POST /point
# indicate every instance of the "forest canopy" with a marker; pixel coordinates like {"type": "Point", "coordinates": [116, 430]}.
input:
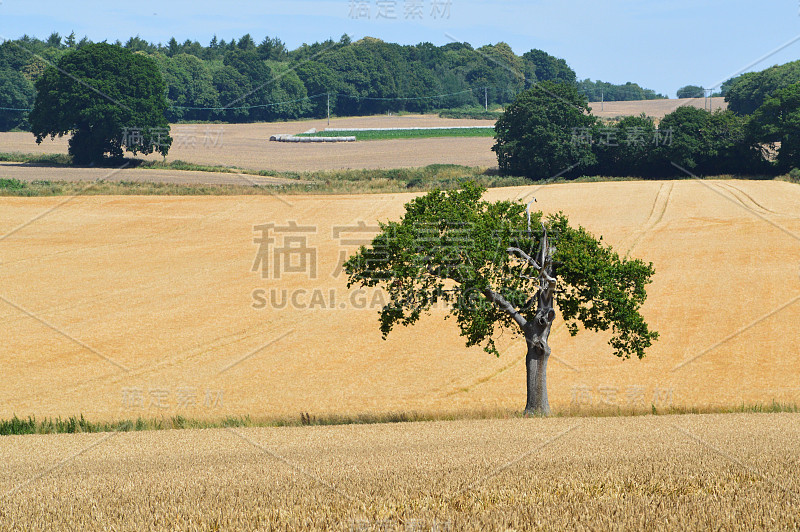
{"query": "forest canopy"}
{"type": "Point", "coordinates": [242, 80]}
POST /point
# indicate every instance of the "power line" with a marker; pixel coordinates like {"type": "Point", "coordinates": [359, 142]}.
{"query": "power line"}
{"type": "Point", "coordinates": [246, 106]}
{"type": "Point", "coordinates": [357, 98]}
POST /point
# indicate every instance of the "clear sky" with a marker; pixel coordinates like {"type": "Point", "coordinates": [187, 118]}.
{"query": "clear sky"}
{"type": "Point", "coordinates": [662, 45]}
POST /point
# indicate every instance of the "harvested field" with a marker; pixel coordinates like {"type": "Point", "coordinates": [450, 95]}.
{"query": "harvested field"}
{"type": "Point", "coordinates": [722, 472]}
{"type": "Point", "coordinates": [119, 307]}
{"type": "Point", "coordinates": [654, 108]}
{"type": "Point", "coordinates": [248, 146]}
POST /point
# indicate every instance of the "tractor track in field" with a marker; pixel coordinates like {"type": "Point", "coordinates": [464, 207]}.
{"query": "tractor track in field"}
{"type": "Point", "coordinates": [657, 211]}
{"type": "Point", "coordinates": [744, 199]}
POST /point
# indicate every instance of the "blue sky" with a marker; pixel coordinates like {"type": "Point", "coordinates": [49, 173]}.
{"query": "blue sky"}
{"type": "Point", "coordinates": [661, 45]}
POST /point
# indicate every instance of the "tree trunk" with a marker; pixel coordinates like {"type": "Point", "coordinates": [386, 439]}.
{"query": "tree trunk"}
{"type": "Point", "coordinates": [536, 367]}
{"type": "Point", "coordinates": [537, 331]}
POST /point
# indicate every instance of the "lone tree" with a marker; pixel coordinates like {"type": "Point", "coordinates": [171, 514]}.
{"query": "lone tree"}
{"type": "Point", "coordinates": [109, 98]}
{"type": "Point", "coordinates": [691, 91]}
{"type": "Point", "coordinates": [544, 132]}
{"type": "Point", "coordinates": [498, 265]}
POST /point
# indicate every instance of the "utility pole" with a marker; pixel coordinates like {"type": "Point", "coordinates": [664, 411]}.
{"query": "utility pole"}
{"type": "Point", "coordinates": [602, 100]}
{"type": "Point", "coordinates": [329, 108]}
{"type": "Point", "coordinates": [486, 98]}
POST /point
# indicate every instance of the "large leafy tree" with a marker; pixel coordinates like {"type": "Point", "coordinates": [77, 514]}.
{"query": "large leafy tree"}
{"type": "Point", "coordinates": [541, 66]}
{"type": "Point", "coordinates": [624, 148]}
{"type": "Point", "coordinates": [536, 135]}
{"type": "Point", "coordinates": [747, 92]}
{"type": "Point", "coordinates": [499, 266]}
{"type": "Point", "coordinates": [691, 91]}
{"type": "Point", "coordinates": [16, 94]}
{"type": "Point", "coordinates": [777, 120]}
{"type": "Point", "coordinates": [108, 98]}
{"type": "Point", "coordinates": [189, 85]}
{"type": "Point", "coordinates": [705, 143]}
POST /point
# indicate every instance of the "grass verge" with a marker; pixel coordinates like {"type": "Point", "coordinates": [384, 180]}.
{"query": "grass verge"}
{"type": "Point", "coordinates": [31, 425]}
{"type": "Point", "coordinates": [442, 176]}
{"type": "Point", "coordinates": [405, 134]}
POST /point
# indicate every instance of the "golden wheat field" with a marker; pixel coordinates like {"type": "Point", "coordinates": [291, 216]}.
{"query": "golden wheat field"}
{"type": "Point", "coordinates": [655, 108]}
{"type": "Point", "coordinates": [694, 472]}
{"type": "Point", "coordinates": [120, 307]}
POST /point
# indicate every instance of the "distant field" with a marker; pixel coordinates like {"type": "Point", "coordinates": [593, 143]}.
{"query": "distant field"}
{"type": "Point", "coordinates": [117, 307]}
{"type": "Point", "coordinates": [654, 108]}
{"type": "Point", "coordinates": [248, 146]}
{"type": "Point", "coordinates": [404, 134]}
{"type": "Point", "coordinates": [710, 472]}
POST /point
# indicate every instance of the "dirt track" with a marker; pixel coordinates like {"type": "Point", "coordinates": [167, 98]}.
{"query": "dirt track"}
{"type": "Point", "coordinates": [116, 307]}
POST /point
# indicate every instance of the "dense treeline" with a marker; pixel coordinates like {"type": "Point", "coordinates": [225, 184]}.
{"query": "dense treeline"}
{"type": "Point", "coordinates": [747, 92]}
{"type": "Point", "coordinates": [241, 80]}
{"type": "Point", "coordinates": [540, 137]}
{"type": "Point", "coordinates": [686, 140]}
{"type": "Point", "coordinates": [598, 90]}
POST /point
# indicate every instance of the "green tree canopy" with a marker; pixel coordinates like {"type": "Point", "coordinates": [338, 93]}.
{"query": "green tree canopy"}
{"type": "Point", "coordinates": [189, 84]}
{"type": "Point", "coordinates": [497, 267]}
{"type": "Point", "coordinates": [625, 148]}
{"type": "Point", "coordinates": [705, 143]}
{"type": "Point", "coordinates": [369, 76]}
{"type": "Point", "coordinates": [108, 98]}
{"type": "Point", "coordinates": [541, 66]}
{"type": "Point", "coordinates": [691, 91]}
{"type": "Point", "coordinates": [535, 136]}
{"type": "Point", "coordinates": [777, 120]}
{"type": "Point", "coordinates": [747, 92]}
{"type": "Point", "coordinates": [16, 94]}
{"type": "Point", "coordinates": [610, 92]}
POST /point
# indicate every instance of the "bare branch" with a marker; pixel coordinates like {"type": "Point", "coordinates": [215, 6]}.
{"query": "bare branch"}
{"type": "Point", "coordinates": [528, 213]}
{"type": "Point", "coordinates": [505, 306]}
{"type": "Point", "coordinates": [524, 256]}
